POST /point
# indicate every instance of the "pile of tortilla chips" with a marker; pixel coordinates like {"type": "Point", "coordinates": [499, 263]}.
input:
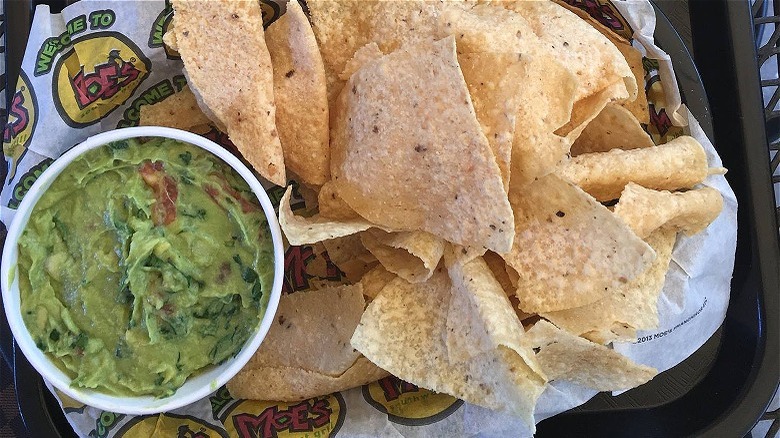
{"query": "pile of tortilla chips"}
{"type": "Point", "coordinates": [483, 179]}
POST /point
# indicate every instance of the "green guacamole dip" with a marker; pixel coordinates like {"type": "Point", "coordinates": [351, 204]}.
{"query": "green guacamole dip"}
{"type": "Point", "coordinates": [143, 263]}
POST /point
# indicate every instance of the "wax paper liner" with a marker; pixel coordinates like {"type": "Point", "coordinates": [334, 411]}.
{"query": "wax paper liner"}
{"type": "Point", "coordinates": [68, 92]}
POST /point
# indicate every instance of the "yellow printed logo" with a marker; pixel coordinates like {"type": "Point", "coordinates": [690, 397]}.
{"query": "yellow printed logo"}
{"type": "Point", "coordinates": [20, 125]}
{"type": "Point", "coordinates": [313, 418]}
{"type": "Point", "coordinates": [169, 425]}
{"type": "Point", "coordinates": [97, 75]}
{"type": "Point", "coordinates": [405, 403]}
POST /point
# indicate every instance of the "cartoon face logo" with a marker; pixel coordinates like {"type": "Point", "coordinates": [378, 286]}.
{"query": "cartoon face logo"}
{"type": "Point", "coordinates": [405, 403]}
{"type": "Point", "coordinates": [22, 118]}
{"type": "Point", "coordinates": [316, 417]}
{"type": "Point", "coordinates": [97, 75]}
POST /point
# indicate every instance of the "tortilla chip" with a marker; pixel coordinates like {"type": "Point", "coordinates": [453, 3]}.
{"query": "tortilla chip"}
{"type": "Point", "coordinates": [569, 250]}
{"type": "Point", "coordinates": [564, 356]}
{"type": "Point", "coordinates": [207, 30]}
{"type": "Point", "coordinates": [332, 206]}
{"type": "Point", "coordinates": [169, 37]}
{"type": "Point", "coordinates": [590, 56]}
{"type": "Point", "coordinates": [363, 56]}
{"type": "Point", "coordinates": [630, 307]}
{"type": "Point", "coordinates": [293, 384]}
{"type": "Point", "coordinates": [614, 128]}
{"type": "Point", "coordinates": [633, 57]}
{"type": "Point", "coordinates": [301, 230]}
{"type": "Point", "coordinates": [678, 164]}
{"type": "Point", "coordinates": [498, 267]}
{"type": "Point", "coordinates": [178, 111]}
{"type": "Point", "coordinates": [300, 95]}
{"type": "Point", "coordinates": [375, 280]}
{"type": "Point", "coordinates": [350, 256]}
{"type": "Point", "coordinates": [412, 255]}
{"type": "Point", "coordinates": [646, 210]}
{"type": "Point", "coordinates": [393, 150]}
{"type": "Point", "coordinates": [546, 102]}
{"type": "Point", "coordinates": [480, 317]}
{"type": "Point", "coordinates": [311, 331]}
{"type": "Point", "coordinates": [638, 107]}
{"type": "Point", "coordinates": [403, 330]}
{"type": "Point", "coordinates": [589, 108]}
{"type": "Point", "coordinates": [343, 27]}
{"type": "Point", "coordinates": [493, 82]}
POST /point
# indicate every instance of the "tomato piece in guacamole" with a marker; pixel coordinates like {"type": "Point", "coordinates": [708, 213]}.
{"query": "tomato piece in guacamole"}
{"type": "Point", "coordinates": [143, 263]}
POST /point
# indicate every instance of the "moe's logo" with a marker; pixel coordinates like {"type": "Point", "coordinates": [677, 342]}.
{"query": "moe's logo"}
{"type": "Point", "coordinates": [313, 418]}
{"type": "Point", "coordinates": [97, 75]}
{"type": "Point", "coordinates": [405, 403]}
{"type": "Point", "coordinates": [169, 425]}
{"type": "Point", "coordinates": [22, 117]}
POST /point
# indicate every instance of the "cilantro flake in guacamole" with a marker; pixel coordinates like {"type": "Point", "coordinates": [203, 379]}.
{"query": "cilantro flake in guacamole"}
{"type": "Point", "coordinates": [143, 263]}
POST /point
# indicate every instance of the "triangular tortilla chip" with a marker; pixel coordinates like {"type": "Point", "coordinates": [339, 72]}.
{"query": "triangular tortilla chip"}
{"type": "Point", "coordinates": [564, 356]}
{"type": "Point", "coordinates": [569, 250]}
{"type": "Point", "coordinates": [300, 95]}
{"type": "Point", "coordinates": [178, 111]}
{"type": "Point", "coordinates": [412, 255]}
{"type": "Point", "coordinates": [311, 331]}
{"type": "Point", "coordinates": [363, 56]}
{"type": "Point", "coordinates": [393, 149]}
{"type": "Point", "coordinates": [343, 27]}
{"type": "Point", "coordinates": [350, 256]}
{"type": "Point", "coordinates": [205, 32]}
{"type": "Point", "coordinates": [589, 108]}
{"type": "Point", "coordinates": [614, 128]}
{"type": "Point", "coordinates": [295, 384]}
{"type": "Point", "coordinates": [579, 47]}
{"type": "Point", "coordinates": [633, 304]}
{"type": "Point", "coordinates": [645, 210]}
{"type": "Point", "coordinates": [301, 230]}
{"type": "Point", "coordinates": [403, 330]}
{"type": "Point", "coordinates": [480, 317]}
{"type": "Point", "coordinates": [375, 280]}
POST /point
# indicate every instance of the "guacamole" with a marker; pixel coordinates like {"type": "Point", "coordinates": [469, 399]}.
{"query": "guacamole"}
{"type": "Point", "coordinates": [144, 262]}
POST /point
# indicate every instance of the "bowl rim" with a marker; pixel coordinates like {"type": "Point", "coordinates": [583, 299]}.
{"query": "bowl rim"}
{"type": "Point", "coordinates": [138, 405]}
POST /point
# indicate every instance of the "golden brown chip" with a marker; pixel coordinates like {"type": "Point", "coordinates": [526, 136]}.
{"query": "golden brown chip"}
{"type": "Point", "coordinates": [638, 107]}
{"type": "Point", "coordinates": [311, 331]}
{"type": "Point", "coordinates": [631, 306]}
{"type": "Point", "coordinates": [494, 81]}
{"type": "Point", "coordinates": [412, 255]}
{"type": "Point", "coordinates": [294, 384]}
{"type": "Point", "coordinates": [332, 206]}
{"type": "Point", "coordinates": [402, 331]}
{"type": "Point", "coordinates": [301, 230]}
{"type": "Point", "coordinates": [169, 37]}
{"type": "Point", "coordinates": [595, 61]}
{"type": "Point", "coordinates": [589, 108]}
{"type": "Point", "coordinates": [564, 356]}
{"type": "Point", "coordinates": [300, 95]}
{"type": "Point", "coordinates": [350, 256]}
{"type": "Point", "coordinates": [480, 318]}
{"type": "Point", "coordinates": [679, 164]}
{"type": "Point", "coordinates": [394, 155]}
{"type": "Point", "coordinates": [546, 102]}
{"type": "Point", "coordinates": [614, 128]}
{"type": "Point", "coordinates": [498, 267]}
{"type": "Point", "coordinates": [178, 111]}
{"type": "Point", "coordinates": [364, 55]}
{"type": "Point", "coordinates": [206, 31]}
{"type": "Point", "coordinates": [569, 250]}
{"type": "Point", "coordinates": [343, 27]}
{"type": "Point", "coordinates": [645, 210]}
{"type": "Point", "coordinates": [375, 280]}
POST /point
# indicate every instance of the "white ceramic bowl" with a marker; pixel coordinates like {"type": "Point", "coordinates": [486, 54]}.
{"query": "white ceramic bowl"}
{"type": "Point", "coordinates": [196, 387]}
